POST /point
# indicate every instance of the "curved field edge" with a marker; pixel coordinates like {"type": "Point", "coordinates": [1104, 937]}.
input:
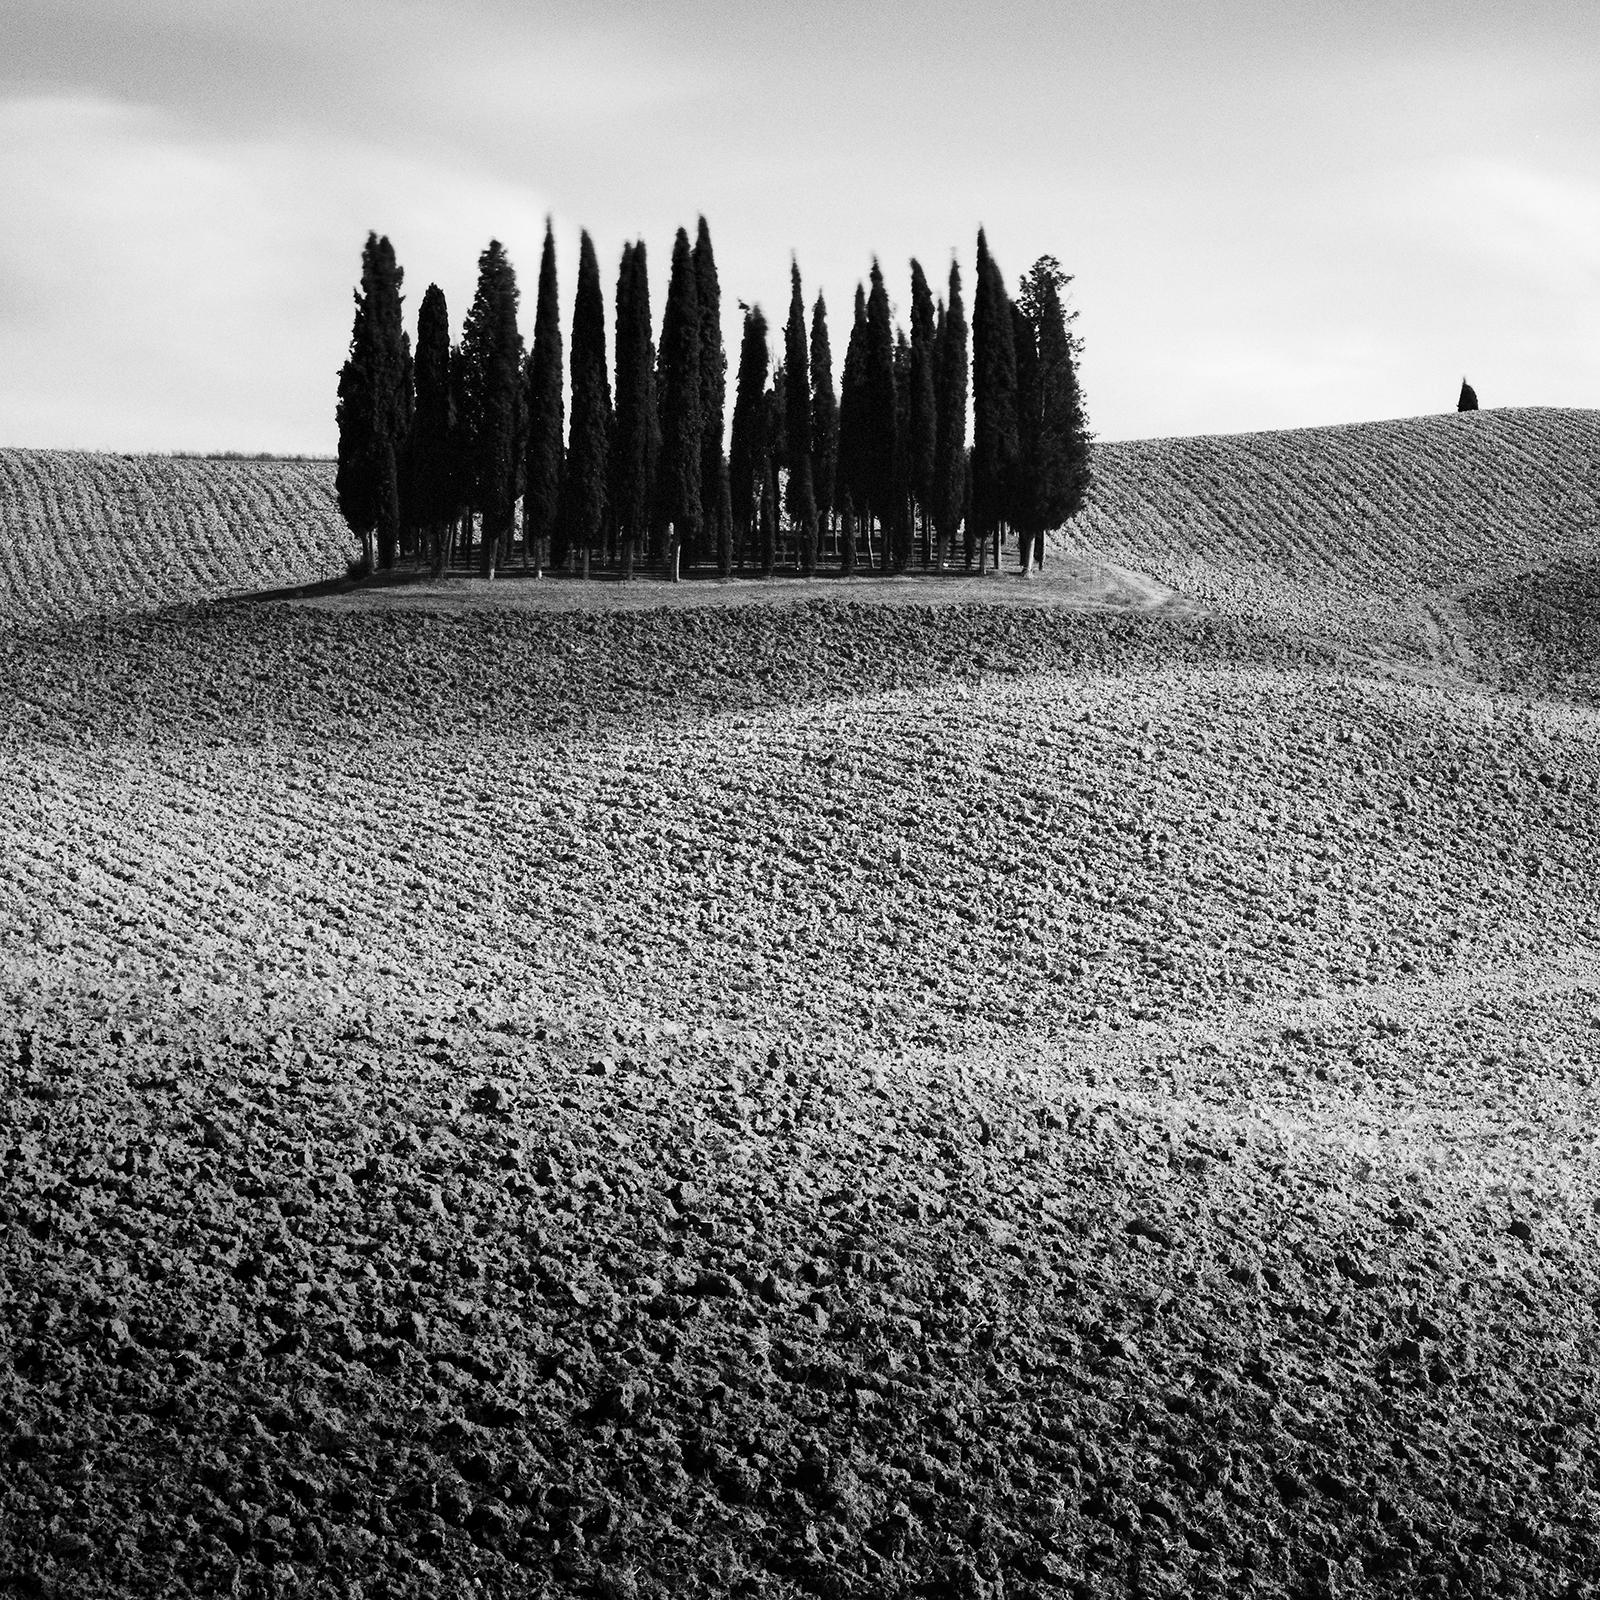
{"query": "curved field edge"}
{"type": "Point", "coordinates": [1369, 535]}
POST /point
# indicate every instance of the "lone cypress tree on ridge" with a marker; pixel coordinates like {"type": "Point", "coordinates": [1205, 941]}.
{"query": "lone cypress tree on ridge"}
{"type": "Point", "coordinates": [1468, 398]}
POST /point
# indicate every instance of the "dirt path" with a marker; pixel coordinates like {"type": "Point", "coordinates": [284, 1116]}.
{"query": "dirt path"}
{"type": "Point", "coordinates": [1068, 582]}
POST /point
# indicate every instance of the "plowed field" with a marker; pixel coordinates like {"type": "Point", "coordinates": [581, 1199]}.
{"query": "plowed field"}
{"type": "Point", "coordinates": [1060, 1089]}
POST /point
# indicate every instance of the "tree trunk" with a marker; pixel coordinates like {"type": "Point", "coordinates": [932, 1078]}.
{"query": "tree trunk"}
{"type": "Point", "coordinates": [672, 549]}
{"type": "Point", "coordinates": [586, 563]}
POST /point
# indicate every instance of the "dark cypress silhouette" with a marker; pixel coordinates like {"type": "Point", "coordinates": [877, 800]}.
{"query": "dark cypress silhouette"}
{"type": "Point", "coordinates": [405, 535]}
{"type": "Point", "coordinates": [824, 419]}
{"type": "Point", "coordinates": [922, 443]}
{"type": "Point", "coordinates": [881, 436]}
{"type": "Point", "coordinates": [495, 377]}
{"type": "Point", "coordinates": [724, 520]}
{"type": "Point", "coordinates": [904, 517]}
{"type": "Point", "coordinates": [713, 389]}
{"type": "Point", "coordinates": [1468, 399]}
{"type": "Point", "coordinates": [747, 447]}
{"type": "Point", "coordinates": [589, 434]}
{"type": "Point", "coordinates": [374, 407]}
{"type": "Point", "coordinates": [546, 426]}
{"type": "Point", "coordinates": [853, 491]}
{"type": "Point", "coordinates": [652, 462]}
{"type": "Point", "coordinates": [630, 460]}
{"type": "Point", "coordinates": [994, 400]}
{"type": "Point", "coordinates": [797, 425]}
{"type": "Point", "coordinates": [778, 446]}
{"type": "Point", "coordinates": [1022, 509]}
{"type": "Point", "coordinates": [461, 451]}
{"type": "Point", "coordinates": [471, 360]}
{"type": "Point", "coordinates": [771, 438]}
{"type": "Point", "coordinates": [678, 399]}
{"type": "Point", "coordinates": [950, 467]}
{"type": "Point", "coordinates": [1062, 455]}
{"type": "Point", "coordinates": [430, 447]}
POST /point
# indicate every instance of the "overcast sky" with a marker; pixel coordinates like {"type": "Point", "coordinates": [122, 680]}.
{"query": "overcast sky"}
{"type": "Point", "coordinates": [1277, 212]}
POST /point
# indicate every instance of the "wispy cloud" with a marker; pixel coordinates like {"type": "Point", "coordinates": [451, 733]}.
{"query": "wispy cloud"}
{"type": "Point", "coordinates": [161, 291]}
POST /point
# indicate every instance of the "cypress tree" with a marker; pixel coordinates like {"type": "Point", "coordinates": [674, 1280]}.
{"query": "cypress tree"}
{"type": "Point", "coordinates": [904, 521]}
{"type": "Point", "coordinates": [652, 455]}
{"type": "Point", "coordinates": [1467, 400]}
{"type": "Point", "coordinates": [881, 435]}
{"type": "Point", "coordinates": [495, 377]}
{"type": "Point", "coordinates": [950, 451]}
{"type": "Point", "coordinates": [430, 455]}
{"type": "Point", "coordinates": [797, 425]}
{"type": "Point", "coordinates": [472, 359]}
{"type": "Point", "coordinates": [772, 434]}
{"type": "Point", "coordinates": [678, 399]}
{"type": "Point", "coordinates": [724, 520]}
{"type": "Point", "coordinates": [1023, 509]}
{"type": "Point", "coordinates": [405, 533]}
{"type": "Point", "coordinates": [923, 410]}
{"type": "Point", "coordinates": [1062, 472]}
{"type": "Point", "coordinates": [635, 404]}
{"type": "Point", "coordinates": [589, 436]}
{"type": "Point", "coordinates": [854, 479]}
{"type": "Point", "coordinates": [546, 423]}
{"type": "Point", "coordinates": [994, 398]}
{"type": "Point", "coordinates": [713, 387]}
{"type": "Point", "coordinates": [355, 478]}
{"type": "Point", "coordinates": [374, 407]}
{"type": "Point", "coordinates": [747, 447]}
{"type": "Point", "coordinates": [461, 451]}
{"type": "Point", "coordinates": [824, 417]}
{"type": "Point", "coordinates": [778, 448]}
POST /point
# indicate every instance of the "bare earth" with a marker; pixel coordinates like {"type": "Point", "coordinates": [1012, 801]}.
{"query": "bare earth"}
{"type": "Point", "coordinates": [929, 1088]}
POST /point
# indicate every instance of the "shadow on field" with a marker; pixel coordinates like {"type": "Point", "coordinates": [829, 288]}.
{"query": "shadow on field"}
{"type": "Point", "coordinates": [251, 672]}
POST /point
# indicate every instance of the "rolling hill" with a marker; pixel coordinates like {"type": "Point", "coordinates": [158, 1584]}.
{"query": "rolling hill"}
{"type": "Point", "coordinates": [82, 532]}
{"type": "Point", "coordinates": [972, 1098]}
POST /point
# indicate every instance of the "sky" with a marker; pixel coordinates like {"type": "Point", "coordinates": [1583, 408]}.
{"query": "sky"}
{"type": "Point", "coordinates": [1277, 213]}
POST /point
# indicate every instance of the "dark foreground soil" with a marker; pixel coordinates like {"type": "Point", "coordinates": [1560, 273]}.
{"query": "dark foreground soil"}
{"type": "Point", "coordinates": [827, 1100]}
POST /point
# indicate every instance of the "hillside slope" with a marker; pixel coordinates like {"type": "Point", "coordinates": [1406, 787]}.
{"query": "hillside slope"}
{"type": "Point", "coordinates": [841, 1101]}
{"type": "Point", "coordinates": [82, 532]}
{"type": "Point", "coordinates": [1406, 538]}
{"type": "Point", "coordinates": [1388, 536]}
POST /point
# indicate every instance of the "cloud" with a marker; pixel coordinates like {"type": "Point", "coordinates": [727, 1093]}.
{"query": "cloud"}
{"type": "Point", "coordinates": [159, 291]}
